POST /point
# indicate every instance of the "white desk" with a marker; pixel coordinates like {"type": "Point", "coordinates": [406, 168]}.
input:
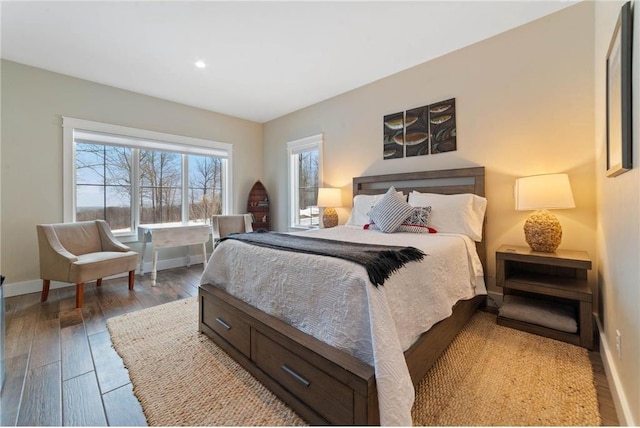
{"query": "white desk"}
{"type": "Point", "coordinates": [172, 235]}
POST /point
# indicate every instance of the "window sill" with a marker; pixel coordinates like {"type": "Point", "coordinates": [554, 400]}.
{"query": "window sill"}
{"type": "Point", "coordinates": [302, 228]}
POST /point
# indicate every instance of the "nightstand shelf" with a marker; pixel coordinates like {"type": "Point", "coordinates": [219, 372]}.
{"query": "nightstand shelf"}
{"type": "Point", "coordinates": [549, 281]}
{"type": "Point", "coordinates": [568, 288]}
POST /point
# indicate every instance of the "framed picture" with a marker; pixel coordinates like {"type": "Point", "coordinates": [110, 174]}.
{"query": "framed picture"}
{"type": "Point", "coordinates": [425, 130]}
{"type": "Point", "coordinates": [619, 95]}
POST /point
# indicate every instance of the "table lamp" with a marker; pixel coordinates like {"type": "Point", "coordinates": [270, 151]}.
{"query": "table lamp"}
{"type": "Point", "coordinates": [328, 199]}
{"type": "Point", "coordinates": [542, 230]}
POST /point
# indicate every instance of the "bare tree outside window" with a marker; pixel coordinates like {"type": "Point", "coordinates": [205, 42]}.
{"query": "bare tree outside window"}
{"type": "Point", "coordinates": [205, 187]}
{"type": "Point", "coordinates": [160, 187]}
{"type": "Point", "coordinates": [103, 184]}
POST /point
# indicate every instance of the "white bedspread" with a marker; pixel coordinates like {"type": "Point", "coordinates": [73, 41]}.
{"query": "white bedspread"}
{"type": "Point", "coordinates": [333, 300]}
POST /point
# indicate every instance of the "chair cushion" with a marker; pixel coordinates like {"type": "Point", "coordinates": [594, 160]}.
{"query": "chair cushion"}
{"type": "Point", "coordinates": [102, 264]}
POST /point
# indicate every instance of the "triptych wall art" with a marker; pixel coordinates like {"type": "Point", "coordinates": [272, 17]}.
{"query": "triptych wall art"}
{"type": "Point", "coordinates": [420, 131]}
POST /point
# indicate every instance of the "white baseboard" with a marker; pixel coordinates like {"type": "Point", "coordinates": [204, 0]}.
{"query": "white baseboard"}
{"type": "Point", "coordinates": [623, 410]}
{"type": "Point", "coordinates": [35, 285]}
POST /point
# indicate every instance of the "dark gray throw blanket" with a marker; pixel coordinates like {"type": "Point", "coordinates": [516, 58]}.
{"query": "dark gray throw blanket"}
{"type": "Point", "coordinates": [380, 261]}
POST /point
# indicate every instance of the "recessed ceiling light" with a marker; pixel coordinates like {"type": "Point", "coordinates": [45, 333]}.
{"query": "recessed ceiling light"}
{"type": "Point", "coordinates": [200, 64]}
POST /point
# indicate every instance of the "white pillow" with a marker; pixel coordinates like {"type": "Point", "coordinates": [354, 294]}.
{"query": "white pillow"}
{"type": "Point", "coordinates": [463, 213]}
{"type": "Point", "coordinates": [362, 204]}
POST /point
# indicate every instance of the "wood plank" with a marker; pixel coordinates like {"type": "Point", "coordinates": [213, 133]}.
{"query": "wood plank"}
{"type": "Point", "coordinates": [166, 292]}
{"type": "Point", "coordinates": [126, 297]}
{"type": "Point", "coordinates": [109, 302]}
{"type": "Point", "coordinates": [181, 287]}
{"type": "Point", "coordinates": [82, 403]}
{"type": "Point", "coordinates": [608, 414]}
{"type": "Point", "coordinates": [42, 399]}
{"type": "Point", "coordinates": [75, 352]}
{"type": "Point", "coordinates": [16, 370]}
{"type": "Point", "coordinates": [145, 298]}
{"type": "Point", "coordinates": [19, 334]}
{"type": "Point", "coordinates": [70, 317]}
{"type": "Point", "coordinates": [92, 315]}
{"type": "Point", "coordinates": [23, 303]}
{"type": "Point", "coordinates": [192, 274]}
{"type": "Point", "coordinates": [51, 308]}
{"type": "Point", "coordinates": [110, 369]}
{"type": "Point", "coordinates": [123, 408]}
{"type": "Point", "coordinates": [46, 343]}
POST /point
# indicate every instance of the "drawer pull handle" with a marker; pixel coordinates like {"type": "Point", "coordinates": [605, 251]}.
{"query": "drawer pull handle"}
{"type": "Point", "coordinates": [296, 376]}
{"type": "Point", "coordinates": [224, 324]}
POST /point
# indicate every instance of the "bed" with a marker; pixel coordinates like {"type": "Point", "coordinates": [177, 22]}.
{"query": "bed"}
{"type": "Point", "coordinates": [356, 373]}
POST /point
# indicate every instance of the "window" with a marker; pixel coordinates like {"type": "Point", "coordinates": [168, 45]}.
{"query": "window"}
{"type": "Point", "coordinates": [128, 176]}
{"type": "Point", "coordinates": [103, 184]}
{"type": "Point", "coordinates": [305, 176]}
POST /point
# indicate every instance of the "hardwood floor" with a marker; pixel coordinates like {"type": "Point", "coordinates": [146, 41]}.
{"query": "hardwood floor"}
{"type": "Point", "coordinates": [62, 370]}
{"type": "Point", "coordinates": [60, 366]}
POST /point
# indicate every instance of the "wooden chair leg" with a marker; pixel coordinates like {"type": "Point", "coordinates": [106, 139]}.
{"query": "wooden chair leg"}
{"type": "Point", "coordinates": [132, 274]}
{"type": "Point", "coordinates": [79, 294]}
{"type": "Point", "coordinates": [98, 282]}
{"type": "Point", "coordinates": [45, 290]}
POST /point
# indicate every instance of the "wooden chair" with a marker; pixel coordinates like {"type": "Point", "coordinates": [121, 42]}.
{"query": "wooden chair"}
{"type": "Point", "coordinates": [80, 252]}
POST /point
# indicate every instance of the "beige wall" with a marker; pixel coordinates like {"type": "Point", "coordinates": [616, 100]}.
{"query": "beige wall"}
{"type": "Point", "coordinates": [618, 230]}
{"type": "Point", "coordinates": [33, 101]}
{"type": "Point", "coordinates": [524, 103]}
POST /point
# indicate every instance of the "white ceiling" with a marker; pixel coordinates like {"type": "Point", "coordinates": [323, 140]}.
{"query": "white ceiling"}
{"type": "Point", "coordinates": [264, 59]}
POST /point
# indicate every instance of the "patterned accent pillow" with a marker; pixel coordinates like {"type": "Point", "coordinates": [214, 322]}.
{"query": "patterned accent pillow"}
{"type": "Point", "coordinates": [390, 211]}
{"type": "Point", "coordinates": [417, 222]}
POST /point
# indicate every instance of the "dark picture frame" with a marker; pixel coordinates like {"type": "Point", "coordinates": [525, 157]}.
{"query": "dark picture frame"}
{"type": "Point", "coordinates": [619, 126]}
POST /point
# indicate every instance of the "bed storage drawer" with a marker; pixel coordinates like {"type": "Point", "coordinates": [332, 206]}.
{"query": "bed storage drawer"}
{"type": "Point", "coordinates": [306, 381]}
{"type": "Point", "coordinates": [228, 323]}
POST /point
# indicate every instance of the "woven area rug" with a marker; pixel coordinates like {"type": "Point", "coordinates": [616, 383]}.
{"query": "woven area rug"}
{"type": "Point", "coordinates": [489, 375]}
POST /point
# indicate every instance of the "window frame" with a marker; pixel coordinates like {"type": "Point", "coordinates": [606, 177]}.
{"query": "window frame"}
{"type": "Point", "coordinates": [294, 148]}
{"type": "Point", "coordinates": [138, 139]}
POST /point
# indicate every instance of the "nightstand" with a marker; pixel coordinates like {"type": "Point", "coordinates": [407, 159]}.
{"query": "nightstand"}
{"type": "Point", "coordinates": [545, 284]}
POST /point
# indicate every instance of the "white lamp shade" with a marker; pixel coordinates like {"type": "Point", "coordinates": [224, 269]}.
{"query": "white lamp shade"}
{"type": "Point", "coordinates": [548, 191]}
{"type": "Point", "coordinates": [328, 197]}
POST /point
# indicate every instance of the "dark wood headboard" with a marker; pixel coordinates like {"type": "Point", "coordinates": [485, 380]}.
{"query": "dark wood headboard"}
{"type": "Point", "coordinates": [446, 182]}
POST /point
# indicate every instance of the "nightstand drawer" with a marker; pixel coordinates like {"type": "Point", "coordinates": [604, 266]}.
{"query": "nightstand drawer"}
{"type": "Point", "coordinates": [222, 319]}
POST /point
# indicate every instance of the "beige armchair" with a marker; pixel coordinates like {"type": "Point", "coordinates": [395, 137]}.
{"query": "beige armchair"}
{"type": "Point", "coordinates": [223, 225]}
{"type": "Point", "coordinates": [80, 252]}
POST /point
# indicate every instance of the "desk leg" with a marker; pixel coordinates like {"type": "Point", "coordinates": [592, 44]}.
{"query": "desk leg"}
{"type": "Point", "coordinates": [155, 265]}
{"type": "Point", "coordinates": [144, 249]}
{"type": "Point", "coordinates": [204, 255]}
{"type": "Point", "coordinates": [188, 257]}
